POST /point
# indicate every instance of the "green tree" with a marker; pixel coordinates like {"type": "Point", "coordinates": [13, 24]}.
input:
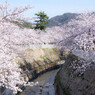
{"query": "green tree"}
{"type": "Point", "coordinates": [42, 19]}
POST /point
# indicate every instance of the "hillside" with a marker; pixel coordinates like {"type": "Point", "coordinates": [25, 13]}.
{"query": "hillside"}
{"type": "Point", "coordinates": [54, 21]}
{"type": "Point", "coordinates": [61, 19]}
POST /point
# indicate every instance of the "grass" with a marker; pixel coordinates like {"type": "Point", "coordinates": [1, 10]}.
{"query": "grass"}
{"type": "Point", "coordinates": [55, 49]}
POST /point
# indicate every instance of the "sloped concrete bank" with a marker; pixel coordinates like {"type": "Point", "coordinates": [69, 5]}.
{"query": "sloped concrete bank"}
{"type": "Point", "coordinates": [35, 62]}
{"type": "Point", "coordinates": [41, 62]}
{"type": "Point", "coordinates": [48, 88]}
{"type": "Point", "coordinates": [44, 71]}
{"type": "Point", "coordinates": [50, 78]}
{"type": "Point", "coordinates": [76, 77]}
{"type": "Point", "coordinates": [44, 86]}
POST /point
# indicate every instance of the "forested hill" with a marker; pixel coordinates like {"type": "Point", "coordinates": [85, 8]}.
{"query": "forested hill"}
{"type": "Point", "coordinates": [61, 19]}
{"type": "Point", "coordinates": [54, 21]}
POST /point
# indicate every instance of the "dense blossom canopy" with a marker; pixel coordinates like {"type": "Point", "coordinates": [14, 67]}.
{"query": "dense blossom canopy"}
{"type": "Point", "coordinates": [82, 36]}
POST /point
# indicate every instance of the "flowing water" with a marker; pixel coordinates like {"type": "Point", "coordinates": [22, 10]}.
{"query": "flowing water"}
{"type": "Point", "coordinates": [37, 89]}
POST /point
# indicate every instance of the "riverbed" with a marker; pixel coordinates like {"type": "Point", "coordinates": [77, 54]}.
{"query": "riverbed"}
{"type": "Point", "coordinates": [37, 89]}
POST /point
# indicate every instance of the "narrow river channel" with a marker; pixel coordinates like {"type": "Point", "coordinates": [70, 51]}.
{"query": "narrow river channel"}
{"type": "Point", "coordinates": [38, 89]}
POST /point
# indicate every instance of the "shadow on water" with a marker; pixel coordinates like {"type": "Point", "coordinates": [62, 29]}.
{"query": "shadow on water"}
{"type": "Point", "coordinates": [44, 71]}
{"type": "Point", "coordinates": [32, 72]}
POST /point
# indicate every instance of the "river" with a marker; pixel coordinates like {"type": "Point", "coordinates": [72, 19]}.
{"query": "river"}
{"type": "Point", "coordinates": [40, 88]}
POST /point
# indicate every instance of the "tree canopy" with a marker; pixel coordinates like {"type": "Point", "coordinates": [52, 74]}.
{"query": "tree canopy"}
{"type": "Point", "coordinates": [42, 19]}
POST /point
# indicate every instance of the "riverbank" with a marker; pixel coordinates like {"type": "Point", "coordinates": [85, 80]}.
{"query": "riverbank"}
{"type": "Point", "coordinates": [42, 88]}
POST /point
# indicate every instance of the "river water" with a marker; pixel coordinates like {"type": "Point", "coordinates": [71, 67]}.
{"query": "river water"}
{"type": "Point", "coordinates": [37, 89]}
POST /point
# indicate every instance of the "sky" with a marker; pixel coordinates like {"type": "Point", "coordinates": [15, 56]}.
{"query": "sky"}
{"type": "Point", "coordinates": [53, 7]}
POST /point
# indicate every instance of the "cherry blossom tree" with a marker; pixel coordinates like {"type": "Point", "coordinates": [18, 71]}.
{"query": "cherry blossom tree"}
{"type": "Point", "coordinates": [85, 31]}
{"type": "Point", "coordinates": [10, 37]}
{"type": "Point", "coordinates": [79, 32]}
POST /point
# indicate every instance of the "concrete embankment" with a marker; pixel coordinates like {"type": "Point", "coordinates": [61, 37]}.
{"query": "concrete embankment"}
{"type": "Point", "coordinates": [44, 86]}
{"type": "Point", "coordinates": [37, 61]}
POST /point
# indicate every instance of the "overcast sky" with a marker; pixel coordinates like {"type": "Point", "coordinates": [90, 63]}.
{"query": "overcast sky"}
{"type": "Point", "coordinates": [54, 7]}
